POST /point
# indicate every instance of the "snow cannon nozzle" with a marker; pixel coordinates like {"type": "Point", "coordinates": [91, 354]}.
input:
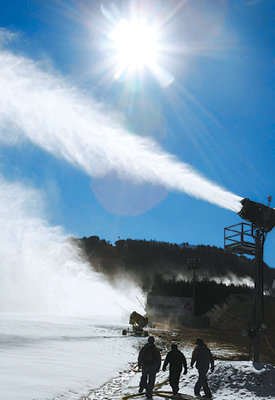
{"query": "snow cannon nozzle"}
{"type": "Point", "coordinates": [263, 217]}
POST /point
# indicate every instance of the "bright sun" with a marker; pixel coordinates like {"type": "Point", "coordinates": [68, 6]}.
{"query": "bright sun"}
{"type": "Point", "coordinates": [135, 44]}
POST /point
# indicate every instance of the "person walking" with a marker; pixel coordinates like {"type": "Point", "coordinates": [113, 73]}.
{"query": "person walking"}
{"type": "Point", "coordinates": [202, 358]}
{"type": "Point", "coordinates": [176, 360]}
{"type": "Point", "coordinates": [149, 360]}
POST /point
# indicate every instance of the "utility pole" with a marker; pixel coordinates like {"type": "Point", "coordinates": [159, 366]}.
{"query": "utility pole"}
{"type": "Point", "coordinates": [193, 264]}
{"type": "Point", "coordinates": [124, 255]}
{"type": "Point", "coordinates": [258, 316]}
{"type": "Point", "coordinates": [249, 239]}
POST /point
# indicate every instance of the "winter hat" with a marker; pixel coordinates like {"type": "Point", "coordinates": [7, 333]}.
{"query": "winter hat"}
{"type": "Point", "coordinates": [199, 341]}
{"type": "Point", "coordinates": [151, 339]}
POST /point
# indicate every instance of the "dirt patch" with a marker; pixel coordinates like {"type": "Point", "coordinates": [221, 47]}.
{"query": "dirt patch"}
{"type": "Point", "coordinates": [228, 344]}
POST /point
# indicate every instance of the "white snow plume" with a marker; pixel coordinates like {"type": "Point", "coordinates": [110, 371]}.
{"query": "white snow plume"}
{"type": "Point", "coordinates": [44, 108]}
{"type": "Point", "coordinates": [42, 272]}
{"type": "Point", "coordinates": [233, 279]}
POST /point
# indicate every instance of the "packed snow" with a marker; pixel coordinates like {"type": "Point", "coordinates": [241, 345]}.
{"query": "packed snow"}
{"type": "Point", "coordinates": [52, 358]}
{"type": "Point", "coordinates": [231, 380]}
{"type": "Point", "coordinates": [58, 357]}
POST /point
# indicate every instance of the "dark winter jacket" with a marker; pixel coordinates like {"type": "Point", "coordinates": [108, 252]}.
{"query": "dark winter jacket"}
{"type": "Point", "coordinates": [176, 361]}
{"type": "Point", "coordinates": [202, 357]}
{"type": "Point", "coordinates": [149, 355]}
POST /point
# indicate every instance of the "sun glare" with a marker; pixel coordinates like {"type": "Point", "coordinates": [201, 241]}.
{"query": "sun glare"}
{"type": "Point", "coordinates": [135, 45]}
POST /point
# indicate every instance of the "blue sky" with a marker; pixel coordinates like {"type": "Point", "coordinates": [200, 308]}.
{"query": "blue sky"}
{"type": "Point", "coordinates": [216, 116]}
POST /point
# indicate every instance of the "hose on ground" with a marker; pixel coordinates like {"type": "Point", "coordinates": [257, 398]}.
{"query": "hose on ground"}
{"type": "Point", "coordinates": [160, 393]}
{"type": "Point", "coordinates": [140, 394]}
{"type": "Point", "coordinates": [165, 394]}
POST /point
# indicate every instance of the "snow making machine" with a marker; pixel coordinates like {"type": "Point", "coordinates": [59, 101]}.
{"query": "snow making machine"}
{"type": "Point", "coordinates": [138, 322]}
{"type": "Point", "coordinates": [260, 215]}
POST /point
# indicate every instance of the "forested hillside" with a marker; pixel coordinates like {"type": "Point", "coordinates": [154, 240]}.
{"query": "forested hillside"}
{"type": "Point", "coordinates": [164, 268]}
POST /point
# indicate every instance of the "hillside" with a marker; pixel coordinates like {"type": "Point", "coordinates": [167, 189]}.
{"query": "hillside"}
{"type": "Point", "coordinates": [144, 261]}
{"type": "Point", "coordinates": [164, 268]}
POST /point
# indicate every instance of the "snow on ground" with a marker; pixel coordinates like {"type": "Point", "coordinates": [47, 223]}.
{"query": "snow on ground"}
{"type": "Point", "coordinates": [51, 358]}
{"type": "Point", "coordinates": [231, 380]}
{"type": "Point", "coordinates": [238, 380]}
{"type": "Point", "coordinates": [243, 380]}
{"type": "Point", "coordinates": [75, 359]}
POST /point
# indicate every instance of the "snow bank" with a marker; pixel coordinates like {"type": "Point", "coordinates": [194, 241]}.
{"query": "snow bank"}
{"type": "Point", "coordinates": [243, 380]}
{"type": "Point", "coordinates": [231, 380]}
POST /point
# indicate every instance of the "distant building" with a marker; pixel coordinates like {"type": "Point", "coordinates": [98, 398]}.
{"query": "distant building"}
{"type": "Point", "coordinates": [167, 307]}
{"type": "Point", "coordinates": [175, 310]}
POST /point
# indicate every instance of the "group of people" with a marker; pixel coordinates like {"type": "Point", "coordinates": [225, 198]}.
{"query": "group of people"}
{"type": "Point", "coordinates": [149, 360]}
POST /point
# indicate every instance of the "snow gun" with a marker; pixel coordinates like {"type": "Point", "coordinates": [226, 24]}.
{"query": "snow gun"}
{"type": "Point", "coordinates": [138, 322]}
{"type": "Point", "coordinates": [263, 217]}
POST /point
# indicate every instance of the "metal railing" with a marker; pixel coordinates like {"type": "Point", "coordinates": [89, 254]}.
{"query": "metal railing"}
{"type": "Point", "coordinates": [239, 238]}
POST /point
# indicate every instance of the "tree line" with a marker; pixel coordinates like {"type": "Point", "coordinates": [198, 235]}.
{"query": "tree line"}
{"type": "Point", "coordinates": [164, 268]}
